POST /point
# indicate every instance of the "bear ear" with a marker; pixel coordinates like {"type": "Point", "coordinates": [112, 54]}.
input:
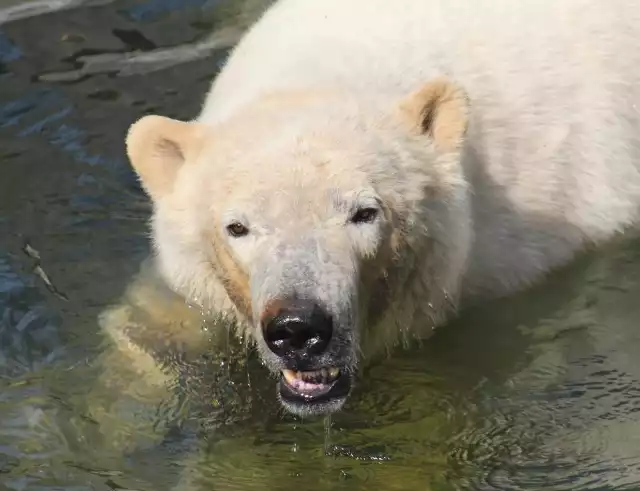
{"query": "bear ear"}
{"type": "Point", "coordinates": [158, 147]}
{"type": "Point", "coordinates": [440, 110]}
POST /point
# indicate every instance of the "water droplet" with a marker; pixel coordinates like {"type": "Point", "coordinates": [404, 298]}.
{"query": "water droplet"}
{"type": "Point", "coordinates": [327, 434]}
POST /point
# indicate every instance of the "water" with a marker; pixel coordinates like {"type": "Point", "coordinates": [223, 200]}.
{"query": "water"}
{"type": "Point", "coordinates": [538, 392]}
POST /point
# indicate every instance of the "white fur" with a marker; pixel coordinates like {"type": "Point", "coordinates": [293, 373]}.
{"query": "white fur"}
{"type": "Point", "coordinates": [550, 162]}
{"type": "Point", "coordinates": [553, 146]}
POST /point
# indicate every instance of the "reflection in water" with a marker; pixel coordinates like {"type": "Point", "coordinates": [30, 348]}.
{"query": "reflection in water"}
{"type": "Point", "coordinates": [127, 64]}
{"type": "Point", "coordinates": [537, 392]}
{"type": "Point", "coordinates": [13, 10]}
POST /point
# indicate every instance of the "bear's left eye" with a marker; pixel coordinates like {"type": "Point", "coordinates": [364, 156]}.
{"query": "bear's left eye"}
{"type": "Point", "coordinates": [364, 215]}
{"type": "Point", "coordinates": [236, 229]}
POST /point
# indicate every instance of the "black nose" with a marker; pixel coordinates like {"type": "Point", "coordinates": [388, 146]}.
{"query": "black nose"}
{"type": "Point", "coordinates": [296, 328]}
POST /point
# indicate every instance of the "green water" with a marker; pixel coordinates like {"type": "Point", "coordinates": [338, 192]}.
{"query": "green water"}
{"type": "Point", "coordinates": [537, 392]}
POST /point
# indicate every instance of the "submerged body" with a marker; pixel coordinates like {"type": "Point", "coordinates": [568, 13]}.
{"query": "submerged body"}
{"type": "Point", "coordinates": [358, 172]}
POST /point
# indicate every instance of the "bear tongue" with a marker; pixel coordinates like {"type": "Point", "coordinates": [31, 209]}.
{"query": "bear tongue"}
{"type": "Point", "coordinates": [307, 387]}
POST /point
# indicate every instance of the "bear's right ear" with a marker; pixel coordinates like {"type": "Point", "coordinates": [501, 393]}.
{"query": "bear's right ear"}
{"type": "Point", "coordinates": [157, 148]}
{"type": "Point", "coordinates": [439, 109]}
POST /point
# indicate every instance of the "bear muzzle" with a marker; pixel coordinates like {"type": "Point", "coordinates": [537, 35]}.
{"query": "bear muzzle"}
{"type": "Point", "coordinates": [299, 332]}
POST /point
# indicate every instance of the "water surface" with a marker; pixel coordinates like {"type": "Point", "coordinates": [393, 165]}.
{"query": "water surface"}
{"type": "Point", "coordinates": [538, 392]}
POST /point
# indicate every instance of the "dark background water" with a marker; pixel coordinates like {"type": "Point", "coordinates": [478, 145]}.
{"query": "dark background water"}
{"type": "Point", "coordinates": [540, 391]}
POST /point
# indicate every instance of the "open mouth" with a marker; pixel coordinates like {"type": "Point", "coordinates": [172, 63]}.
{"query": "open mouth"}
{"type": "Point", "coordinates": [317, 391]}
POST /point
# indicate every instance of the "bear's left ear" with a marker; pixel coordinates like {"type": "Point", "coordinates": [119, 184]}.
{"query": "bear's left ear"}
{"type": "Point", "coordinates": [440, 110]}
{"type": "Point", "coordinates": [158, 147]}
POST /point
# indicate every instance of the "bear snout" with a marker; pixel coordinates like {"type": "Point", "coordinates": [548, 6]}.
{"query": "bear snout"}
{"type": "Point", "coordinates": [296, 330]}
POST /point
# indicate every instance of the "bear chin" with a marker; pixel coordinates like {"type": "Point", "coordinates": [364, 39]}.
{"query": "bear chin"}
{"type": "Point", "coordinates": [321, 402]}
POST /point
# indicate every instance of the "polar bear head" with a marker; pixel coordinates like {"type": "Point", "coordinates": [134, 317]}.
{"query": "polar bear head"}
{"type": "Point", "coordinates": [332, 223]}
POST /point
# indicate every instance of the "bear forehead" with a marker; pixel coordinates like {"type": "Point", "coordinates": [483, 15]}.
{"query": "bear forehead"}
{"type": "Point", "coordinates": [285, 185]}
{"type": "Point", "coordinates": [268, 136]}
{"type": "Point", "coordinates": [317, 165]}
{"type": "Point", "coordinates": [284, 194]}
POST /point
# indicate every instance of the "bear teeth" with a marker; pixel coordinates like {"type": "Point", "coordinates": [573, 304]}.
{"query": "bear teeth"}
{"type": "Point", "coordinates": [323, 376]}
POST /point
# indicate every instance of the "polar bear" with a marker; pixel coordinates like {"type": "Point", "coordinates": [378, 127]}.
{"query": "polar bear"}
{"type": "Point", "coordinates": [361, 170]}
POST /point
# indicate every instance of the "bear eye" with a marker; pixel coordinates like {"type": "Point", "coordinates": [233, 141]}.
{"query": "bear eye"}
{"type": "Point", "coordinates": [236, 229]}
{"type": "Point", "coordinates": [364, 215]}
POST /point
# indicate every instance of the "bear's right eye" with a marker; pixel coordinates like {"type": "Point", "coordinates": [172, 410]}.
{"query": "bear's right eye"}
{"type": "Point", "coordinates": [236, 229]}
{"type": "Point", "coordinates": [364, 215]}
